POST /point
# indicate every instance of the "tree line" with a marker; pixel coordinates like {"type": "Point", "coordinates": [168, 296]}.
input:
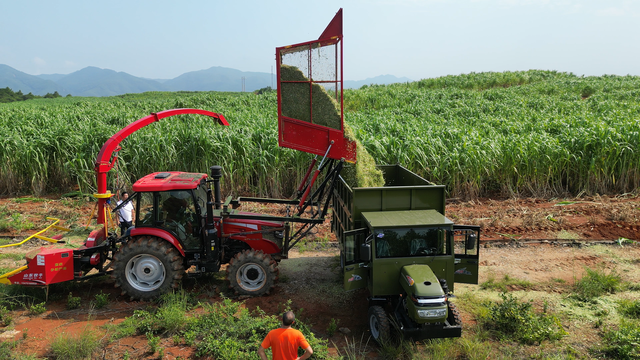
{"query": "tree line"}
{"type": "Point", "coordinates": [7, 95]}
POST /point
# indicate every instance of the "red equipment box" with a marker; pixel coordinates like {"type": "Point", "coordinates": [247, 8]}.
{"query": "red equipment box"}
{"type": "Point", "coordinates": [49, 266]}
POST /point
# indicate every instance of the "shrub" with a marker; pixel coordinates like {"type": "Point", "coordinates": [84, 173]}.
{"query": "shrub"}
{"type": "Point", "coordinates": [101, 300]}
{"type": "Point", "coordinates": [596, 283]}
{"type": "Point", "coordinates": [230, 331]}
{"type": "Point", "coordinates": [73, 302]}
{"type": "Point", "coordinates": [333, 326]}
{"type": "Point", "coordinates": [511, 319]}
{"type": "Point", "coordinates": [37, 309]}
{"type": "Point", "coordinates": [623, 342]}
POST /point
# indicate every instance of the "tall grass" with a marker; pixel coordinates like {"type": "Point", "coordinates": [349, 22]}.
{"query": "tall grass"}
{"type": "Point", "coordinates": [518, 133]}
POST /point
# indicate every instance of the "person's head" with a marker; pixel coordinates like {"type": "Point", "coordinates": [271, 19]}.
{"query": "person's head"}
{"type": "Point", "coordinates": [288, 318]}
{"type": "Point", "coordinates": [124, 194]}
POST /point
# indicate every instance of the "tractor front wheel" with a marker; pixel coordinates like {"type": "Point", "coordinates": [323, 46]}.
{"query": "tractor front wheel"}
{"type": "Point", "coordinates": [454, 315]}
{"type": "Point", "coordinates": [252, 272]}
{"type": "Point", "coordinates": [147, 267]}
{"type": "Point", "coordinates": [379, 325]}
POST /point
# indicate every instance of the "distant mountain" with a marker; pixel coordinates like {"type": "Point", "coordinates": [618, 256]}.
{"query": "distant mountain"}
{"type": "Point", "coordinates": [19, 81]}
{"type": "Point", "coordinates": [52, 77]}
{"type": "Point", "coordinates": [380, 80]}
{"type": "Point", "coordinates": [93, 81]}
{"type": "Point", "coordinates": [219, 79]}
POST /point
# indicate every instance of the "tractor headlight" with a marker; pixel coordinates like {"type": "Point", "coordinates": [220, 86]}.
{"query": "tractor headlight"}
{"type": "Point", "coordinates": [432, 313]}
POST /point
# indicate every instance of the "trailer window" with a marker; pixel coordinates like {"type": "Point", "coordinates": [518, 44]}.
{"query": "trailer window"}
{"type": "Point", "coordinates": [406, 242]}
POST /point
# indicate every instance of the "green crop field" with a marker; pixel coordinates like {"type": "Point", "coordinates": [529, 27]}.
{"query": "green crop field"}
{"type": "Point", "coordinates": [539, 133]}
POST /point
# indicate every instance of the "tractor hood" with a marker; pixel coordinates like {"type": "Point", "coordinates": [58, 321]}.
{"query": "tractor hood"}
{"type": "Point", "coordinates": [419, 280]}
{"type": "Point", "coordinates": [425, 302]}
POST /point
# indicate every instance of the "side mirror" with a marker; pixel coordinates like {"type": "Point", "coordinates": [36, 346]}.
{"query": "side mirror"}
{"type": "Point", "coordinates": [365, 252]}
{"type": "Point", "coordinates": [470, 242]}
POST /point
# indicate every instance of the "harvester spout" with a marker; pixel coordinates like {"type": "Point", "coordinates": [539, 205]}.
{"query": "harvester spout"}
{"type": "Point", "coordinates": [105, 160]}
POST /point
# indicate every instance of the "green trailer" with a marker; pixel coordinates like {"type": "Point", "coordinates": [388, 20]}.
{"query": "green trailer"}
{"type": "Point", "coordinates": [397, 242]}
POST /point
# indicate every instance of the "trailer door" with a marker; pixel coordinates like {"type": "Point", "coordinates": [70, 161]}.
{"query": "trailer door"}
{"type": "Point", "coordinates": [466, 246]}
{"type": "Point", "coordinates": [356, 272]}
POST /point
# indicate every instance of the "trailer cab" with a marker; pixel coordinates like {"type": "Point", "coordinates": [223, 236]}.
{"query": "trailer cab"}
{"type": "Point", "coordinates": [375, 255]}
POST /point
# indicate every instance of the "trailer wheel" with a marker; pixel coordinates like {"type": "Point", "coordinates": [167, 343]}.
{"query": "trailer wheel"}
{"type": "Point", "coordinates": [252, 272]}
{"type": "Point", "coordinates": [379, 325]}
{"type": "Point", "coordinates": [147, 267]}
{"type": "Point", "coordinates": [454, 315]}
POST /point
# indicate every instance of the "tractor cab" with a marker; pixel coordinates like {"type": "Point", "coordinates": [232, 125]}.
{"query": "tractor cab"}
{"type": "Point", "coordinates": [173, 206]}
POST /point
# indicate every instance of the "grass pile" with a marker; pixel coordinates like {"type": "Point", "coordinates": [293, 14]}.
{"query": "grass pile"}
{"type": "Point", "coordinates": [326, 112]}
{"type": "Point", "coordinates": [295, 100]}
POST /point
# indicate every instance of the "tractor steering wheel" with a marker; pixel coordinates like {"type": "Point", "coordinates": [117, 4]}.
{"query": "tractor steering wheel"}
{"type": "Point", "coordinates": [426, 251]}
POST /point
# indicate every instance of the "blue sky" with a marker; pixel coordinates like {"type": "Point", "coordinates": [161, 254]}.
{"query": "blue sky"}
{"type": "Point", "coordinates": [412, 38]}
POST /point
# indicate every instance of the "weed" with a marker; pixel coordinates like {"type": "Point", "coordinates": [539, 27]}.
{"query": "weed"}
{"type": "Point", "coordinates": [7, 349]}
{"type": "Point", "coordinates": [176, 340]}
{"type": "Point", "coordinates": [73, 347]}
{"type": "Point", "coordinates": [5, 316]}
{"type": "Point", "coordinates": [153, 342]}
{"type": "Point", "coordinates": [333, 326]}
{"type": "Point", "coordinates": [20, 223]}
{"type": "Point", "coordinates": [630, 308]}
{"type": "Point", "coordinates": [12, 256]}
{"type": "Point", "coordinates": [190, 338]}
{"type": "Point", "coordinates": [622, 343]}
{"type": "Point", "coordinates": [596, 283]}
{"type": "Point", "coordinates": [37, 309]}
{"type": "Point", "coordinates": [101, 300]}
{"type": "Point", "coordinates": [506, 284]}
{"type": "Point", "coordinates": [511, 319]}
{"type": "Point", "coordinates": [25, 333]}
{"type": "Point", "coordinates": [354, 350]}
{"type": "Point", "coordinates": [73, 302]}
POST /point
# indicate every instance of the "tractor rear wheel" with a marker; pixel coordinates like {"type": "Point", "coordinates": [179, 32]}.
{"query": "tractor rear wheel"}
{"type": "Point", "coordinates": [252, 272]}
{"type": "Point", "coordinates": [147, 267]}
{"type": "Point", "coordinates": [379, 325]}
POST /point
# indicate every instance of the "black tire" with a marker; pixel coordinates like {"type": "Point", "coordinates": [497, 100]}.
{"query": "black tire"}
{"type": "Point", "coordinates": [379, 325]}
{"type": "Point", "coordinates": [454, 315]}
{"type": "Point", "coordinates": [147, 267]}
{"type": "Point", "coordinates": [252, 272]}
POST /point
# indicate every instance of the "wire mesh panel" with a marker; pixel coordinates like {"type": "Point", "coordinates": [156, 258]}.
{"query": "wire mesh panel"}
{"type": "Point", "coordinates": [310, 103]}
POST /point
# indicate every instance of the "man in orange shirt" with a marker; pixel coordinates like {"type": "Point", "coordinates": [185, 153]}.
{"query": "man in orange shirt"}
{"type": "Point", "coordinates": [285, 341]}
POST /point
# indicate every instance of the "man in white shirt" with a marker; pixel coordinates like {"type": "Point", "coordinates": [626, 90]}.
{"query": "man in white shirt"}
{"type": "Point", "coordinates": [126, 214]}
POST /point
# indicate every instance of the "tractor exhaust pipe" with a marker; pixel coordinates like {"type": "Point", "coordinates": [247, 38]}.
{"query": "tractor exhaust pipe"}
{"type": "Point", "coordinates": [216, 174]}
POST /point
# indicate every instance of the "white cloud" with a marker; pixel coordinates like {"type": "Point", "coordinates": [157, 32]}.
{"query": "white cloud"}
{"type": "Point", "coordinates": [612, 11]}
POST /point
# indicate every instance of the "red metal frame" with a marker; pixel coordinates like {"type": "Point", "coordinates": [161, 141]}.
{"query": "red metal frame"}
{"type": "Point", "coordinates": [105, 162]}
{"type": "Point", "coordinates": [305, 136]}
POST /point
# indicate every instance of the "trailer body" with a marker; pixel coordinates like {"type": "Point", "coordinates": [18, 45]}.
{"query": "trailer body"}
{"type": "Point", "coordinates": [397, 242]}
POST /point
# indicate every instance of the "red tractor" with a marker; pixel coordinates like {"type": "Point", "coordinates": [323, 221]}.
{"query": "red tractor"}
{"type": "Point", "coordinates": [182, 224]}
